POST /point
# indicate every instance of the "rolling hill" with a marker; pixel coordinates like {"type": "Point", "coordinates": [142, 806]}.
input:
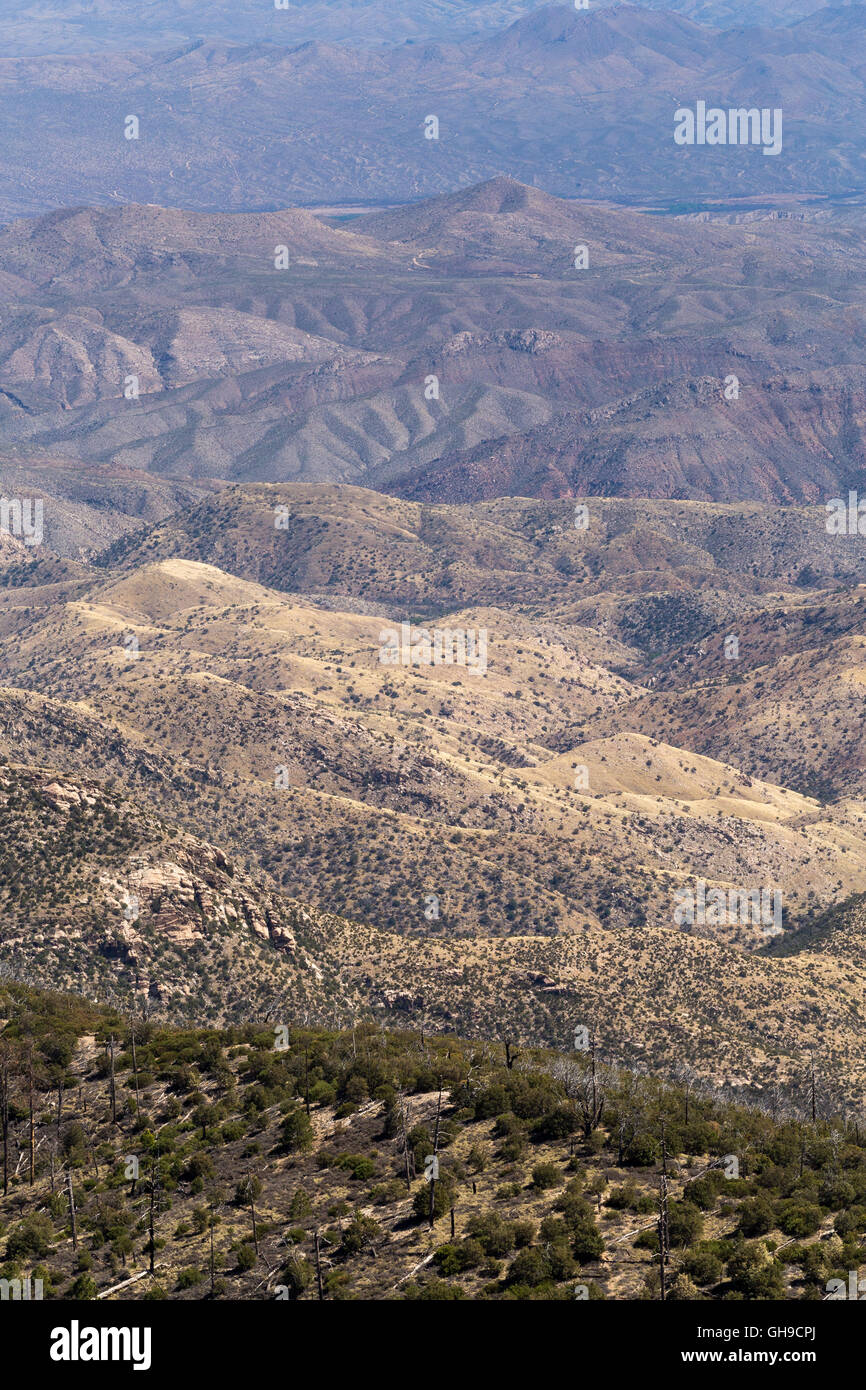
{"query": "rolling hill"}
{"type": "Point", "coordinates": [223, 673]}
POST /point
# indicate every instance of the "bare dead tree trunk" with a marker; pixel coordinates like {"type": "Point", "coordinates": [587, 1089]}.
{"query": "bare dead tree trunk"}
{"type": "Point", "coordinates": [32, 1115]}
{"type": "Point", "coordinates": [596, 1113]}
{"type": "Point", "coordinates": [4, 1117]}
{"type": "Point", "coordinates": [319, 1268]}
{"type": "Point", "coordinates": [135, 1071]}
{"type": "Point", "coordinates": [404, 1137]}
{"type": "Point", "coordinates": [253, 1216]}
{"type": "Point", "coordinates": [663, 1235]}
{"type": "Point", "coordinates": [113, 1084]}
{"type": "Point", "coordinates": [435, 1160]}
{"type": "Point", "coordinates": [72, 1208]}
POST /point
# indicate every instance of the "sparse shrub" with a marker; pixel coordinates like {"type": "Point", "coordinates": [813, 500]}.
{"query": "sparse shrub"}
{"type": "Point", "coordinates": [296, 1132]}
{"type": "Point", "coordinates": [546, 1175]}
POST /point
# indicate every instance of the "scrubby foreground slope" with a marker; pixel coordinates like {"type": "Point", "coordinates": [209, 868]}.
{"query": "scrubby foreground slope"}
{"type": "Point", "coordinates": [289, 1164]}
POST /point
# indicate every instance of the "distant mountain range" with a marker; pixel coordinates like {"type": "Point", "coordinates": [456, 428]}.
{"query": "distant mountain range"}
{"type": "Point", "coordinates": [581, 102]}
{"type": "Point", "coordinates": [447, 350]}
{"type": "Point", "coordinates": [103, 25]}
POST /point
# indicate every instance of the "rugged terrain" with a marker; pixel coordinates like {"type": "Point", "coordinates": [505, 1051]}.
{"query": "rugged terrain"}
{"type": "Point", "coordinates": [202, 723]}
{"type": "Point", "coordinates": [450, 350]}
{"type": "Point", "coordinates": [288, 383]}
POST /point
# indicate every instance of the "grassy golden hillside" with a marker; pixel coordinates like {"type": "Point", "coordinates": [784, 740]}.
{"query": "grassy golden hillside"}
{"type": "Point", "coordinates": [522, 553]}
{"type": "Point", "coordinates": [489, 851]}
{"type": "Point", "coordinates": [302, 751]}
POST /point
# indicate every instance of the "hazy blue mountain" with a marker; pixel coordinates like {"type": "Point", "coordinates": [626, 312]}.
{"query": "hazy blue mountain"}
{"type": "Point", "coordinates": [581, 103]}
{"type": "Point", "coordinates": [33, 27]}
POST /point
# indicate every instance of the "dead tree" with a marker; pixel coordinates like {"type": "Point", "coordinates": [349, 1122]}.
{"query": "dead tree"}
{"type": "Point", "coordinates": [689, 1083]}
{"type": "Point", "coordinates": [112, 1083]}
{"type": "Point", "coordinates": [72, 1208]}
{"type": "Point", "coordinates": [154, 1179]}
{"type": "Point", "coordinates": [5, 1102]}
{"type": "Point", "coordinates": [248, 1190]}
{"type": "Point", "coordinates": [664, 1235]}
{"type": "Point", "coordinates": [213, 1222]}
{"type": "Point", "coordinates": [404, 1139]}
{"type": "Point", "coordinates": [435, 1164]}
{"type": "Point", "coordinates": [134, 1065]}
{"type": "Point", "coordinates": [813, 1089]}
{"type": "Point", "coordinates": [32, 1116]}
{"type": "Point", "coordinates": [585, 1086]}
{"type": "Point", "coordinates": [319, 1267]}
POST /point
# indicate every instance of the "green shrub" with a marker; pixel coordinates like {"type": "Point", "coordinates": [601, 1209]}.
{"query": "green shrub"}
{"type": "Point", "coordinates": [756, 1217]}
{"type": "Point", "coordinates": [31, 1238]}
{"type": "Point", "coordinates": [358, 1165]}
{"type": "Point", "coordinates": [444, 1190]}
{"type": "Point", "coordinates": [556, 1124]}
{"type": "Point", "coordinates": [703, 1266]}
{"type": "Point", "coordinates": [296, 1133]}
{"type": "Point", "coordinates": [458, 1257]}
{"type": "Point", "coordinates": [685, 1223]}
{"type": "Point", "coordinates": [84, 1289]}
{"type": "Point", "coordinates": [799, 1218]}
{"type": "Point", "coordinates": [546, 1175]}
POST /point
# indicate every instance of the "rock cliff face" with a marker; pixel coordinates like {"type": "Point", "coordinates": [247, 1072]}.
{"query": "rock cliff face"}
{"type": "Point", "coordinates": [792, 438]}
{"type": "Point", "coordinates": [99, 894]}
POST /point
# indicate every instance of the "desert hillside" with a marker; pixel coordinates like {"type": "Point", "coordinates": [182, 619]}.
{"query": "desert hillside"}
{"type": "Point", "coordinates": [202, 722]}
